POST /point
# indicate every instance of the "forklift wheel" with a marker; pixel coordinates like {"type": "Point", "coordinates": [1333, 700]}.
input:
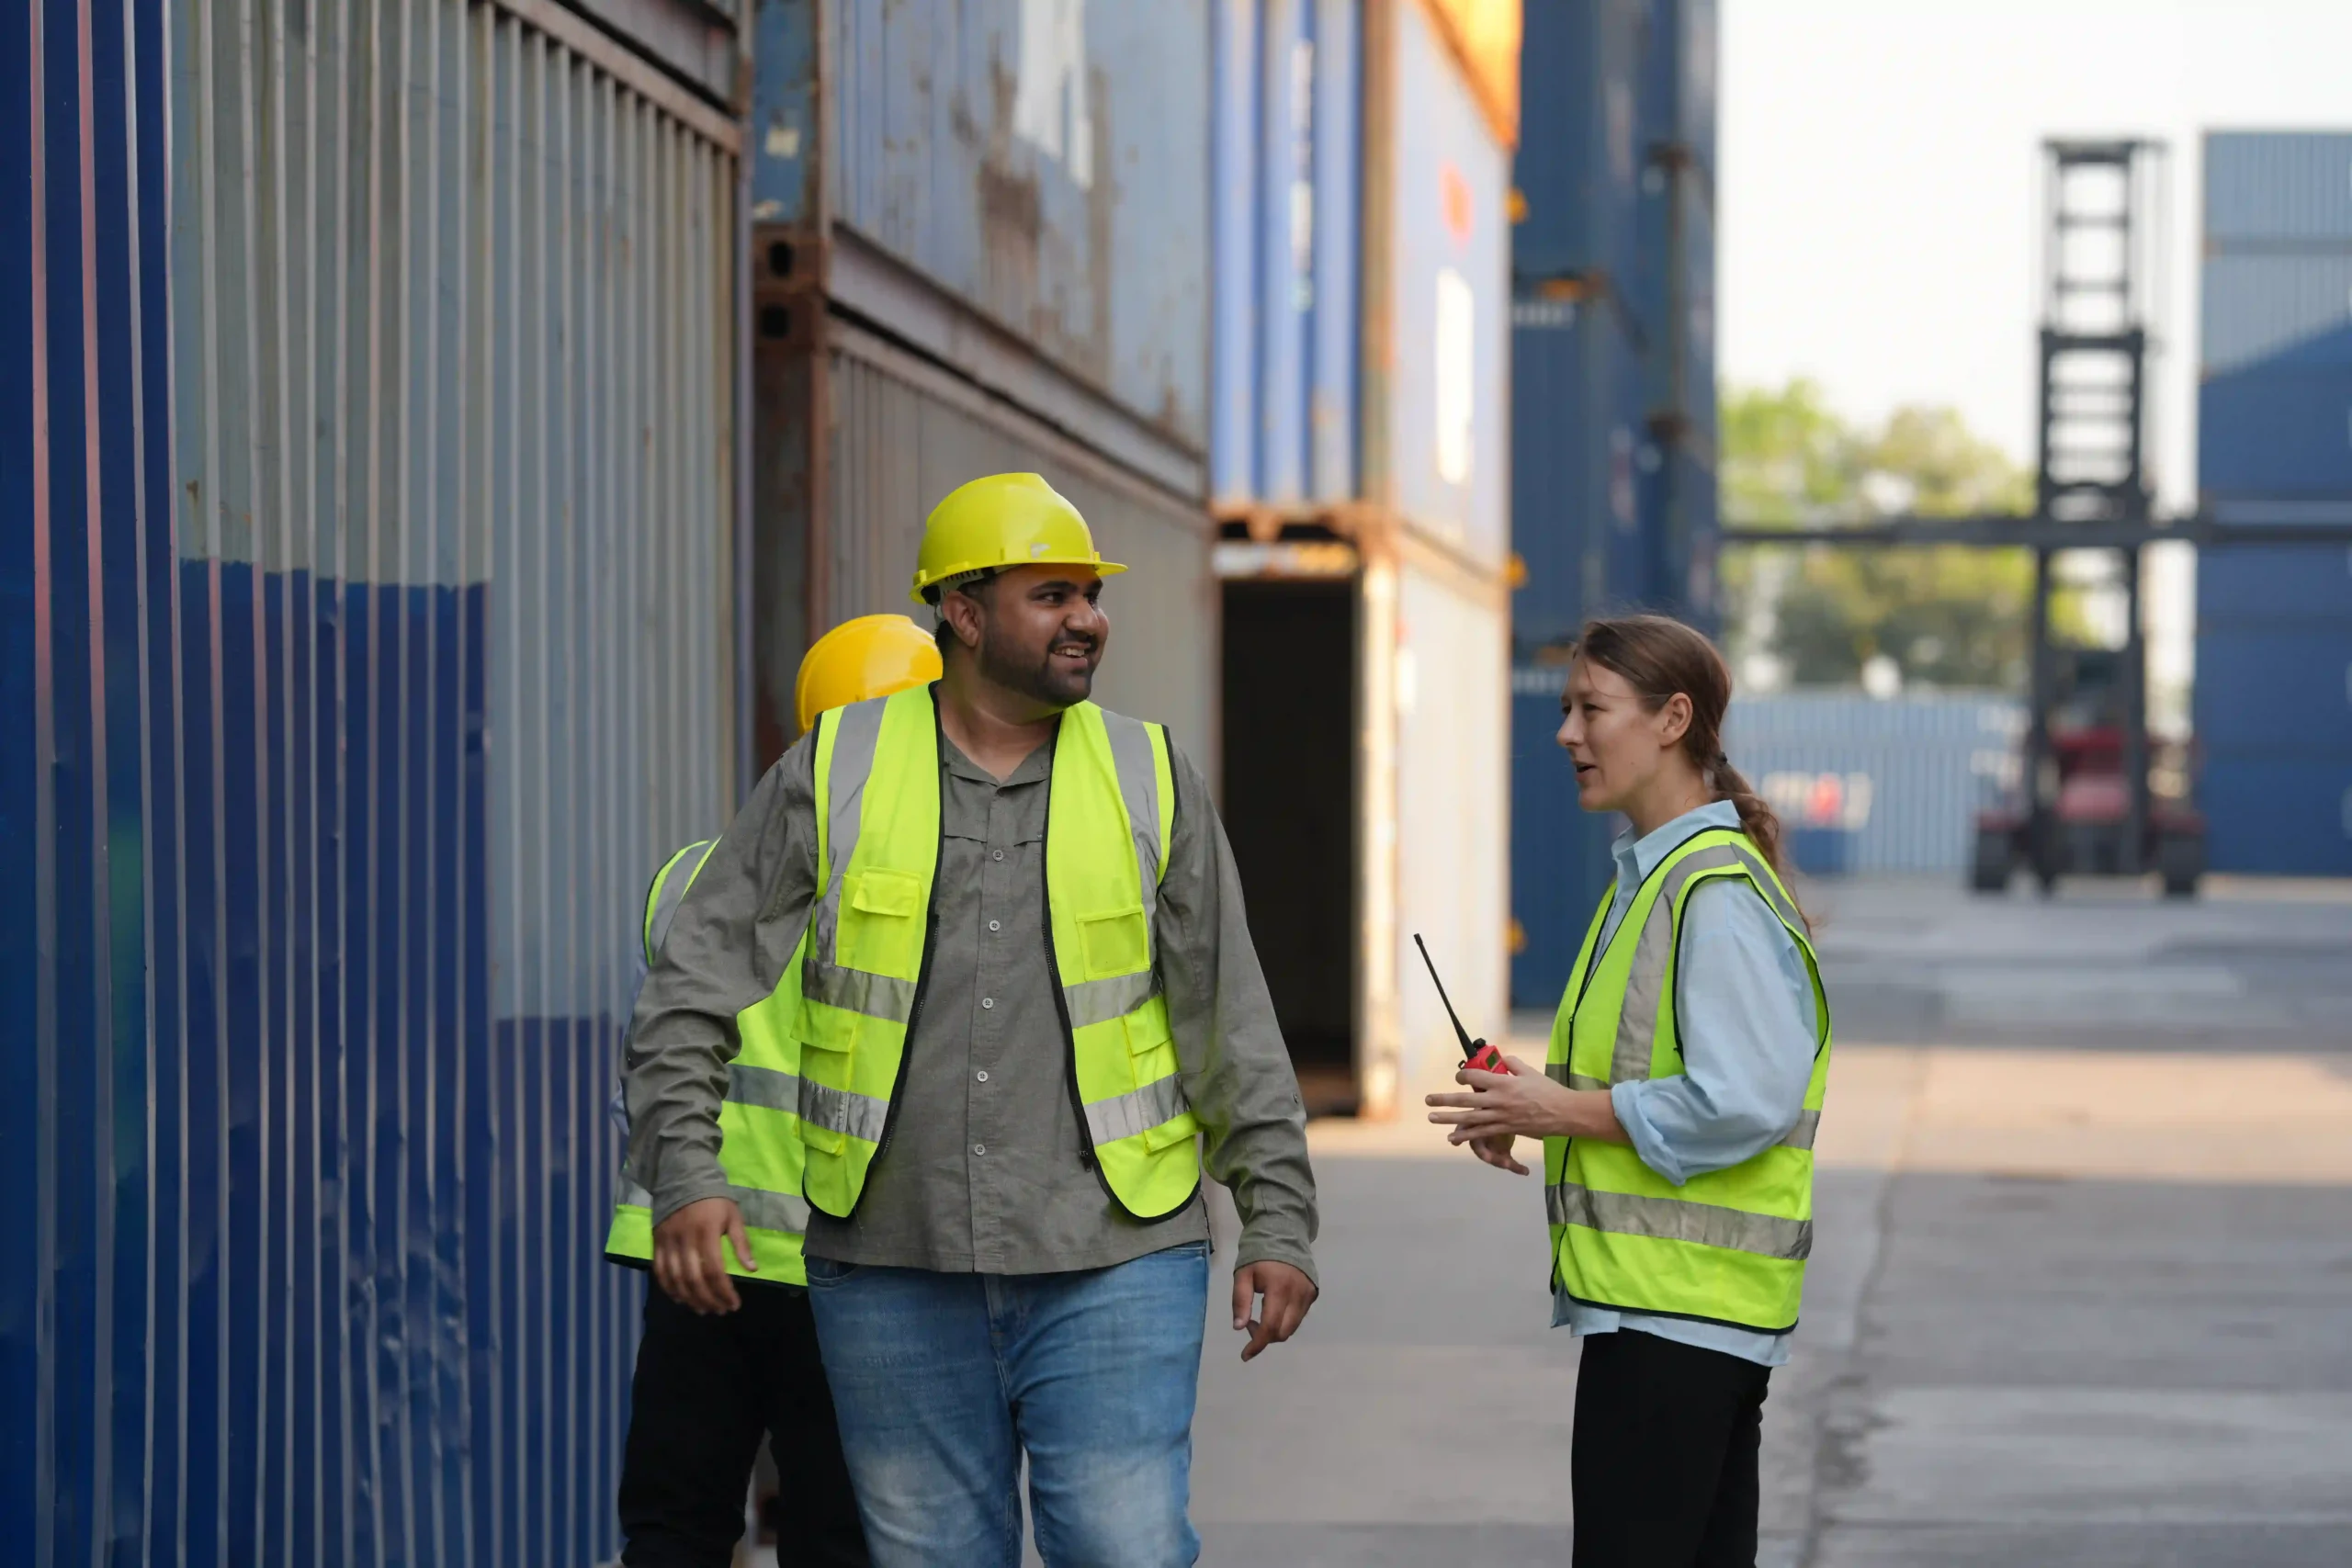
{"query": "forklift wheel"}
{"type": "Point", "coordinates": [2180, 859]}
{"type": "Point", "coordinates": [1988, 871]}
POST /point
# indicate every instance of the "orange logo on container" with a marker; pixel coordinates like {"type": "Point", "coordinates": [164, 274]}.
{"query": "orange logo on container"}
{"type": "Point", "coordinates": [1454, 195]}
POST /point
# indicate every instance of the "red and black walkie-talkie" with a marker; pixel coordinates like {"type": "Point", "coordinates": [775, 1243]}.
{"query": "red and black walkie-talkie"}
{"type": "Point", "coordinates": [1474, 1053]}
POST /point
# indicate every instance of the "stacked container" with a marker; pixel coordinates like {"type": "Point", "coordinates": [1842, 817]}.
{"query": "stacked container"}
{"type": "Point", "coordinates": [1359, 460]}
{"type": "Point", "coordinates": [370, 532]}
{"type": "Point", "coordinates": [981, 244]}
{"type": "Point", "coordinates": [2274, 638]}
{"type": "Point", "coordinates": [1613, 495]}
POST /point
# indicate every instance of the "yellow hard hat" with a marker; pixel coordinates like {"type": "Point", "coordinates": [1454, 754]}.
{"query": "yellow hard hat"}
{"type": "Point", "coordinates": [872, 656]}
{"type": "Point", "coordinates": [1003, 520]}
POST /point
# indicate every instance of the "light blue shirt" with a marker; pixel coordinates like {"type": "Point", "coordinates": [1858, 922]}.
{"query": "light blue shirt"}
{"type": "Point", "coordinates": [1746, 1019]}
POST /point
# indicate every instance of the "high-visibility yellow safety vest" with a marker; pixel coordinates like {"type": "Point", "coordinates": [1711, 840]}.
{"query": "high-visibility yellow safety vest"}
{"type": "Point", "coordinates": [1111, 814]}
{"type": "Point", "coordinates": [759, 1121]}
{"type": "Point", "coordinates": [1730, 1246]}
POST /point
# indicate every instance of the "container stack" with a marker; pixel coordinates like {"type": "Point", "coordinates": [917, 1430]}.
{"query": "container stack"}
{"type": "Point", "coordinates": [981, 243]}
{"type": "Point", "coordinates": [2273, 633]}
{"type": "Point", "coordinates": [1359, 474]}
{"type": "Point", "coordinates": [1613, 494]}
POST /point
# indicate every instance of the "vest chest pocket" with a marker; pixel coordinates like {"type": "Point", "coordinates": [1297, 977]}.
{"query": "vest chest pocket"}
{"type": "Point", "coordinates": [1117, 942]}
{"type": "Point", "coordinates": [881, 923]}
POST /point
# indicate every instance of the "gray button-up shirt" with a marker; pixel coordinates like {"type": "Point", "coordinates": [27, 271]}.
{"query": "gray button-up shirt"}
{"type": "Point", "coordinates": [984, 1171]}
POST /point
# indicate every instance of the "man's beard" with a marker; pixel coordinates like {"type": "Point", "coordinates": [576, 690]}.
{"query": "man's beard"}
{"type": "Point", "coordinates": [1041, 678]}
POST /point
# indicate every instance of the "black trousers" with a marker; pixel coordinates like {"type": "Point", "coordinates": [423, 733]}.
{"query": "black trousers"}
{"type": "Point", "coordinates": [707, 1388]}
{"type": "Point", "coordinates": [1663, 1464]}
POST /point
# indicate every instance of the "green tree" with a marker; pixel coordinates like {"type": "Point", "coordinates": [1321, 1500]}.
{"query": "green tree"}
{"type": "Point", "coordinates": [1947, 616]}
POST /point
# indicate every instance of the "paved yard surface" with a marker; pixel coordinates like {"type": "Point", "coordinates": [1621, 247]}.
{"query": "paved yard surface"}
{"type": "Point", "coordinates": [2081, 1298]}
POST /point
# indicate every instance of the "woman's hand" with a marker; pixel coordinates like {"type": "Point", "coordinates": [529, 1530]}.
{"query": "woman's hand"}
{"type": "Point", "coordinates": [1501, 1108]}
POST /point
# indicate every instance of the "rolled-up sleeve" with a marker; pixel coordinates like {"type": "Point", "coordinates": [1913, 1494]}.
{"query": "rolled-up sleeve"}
{"type": "Point", "coordinates": [725, 950]}
{"type": "Point", "coordinates": [1237, 1070]}
{"type": "Point", "coordinates": [1745, 1016]}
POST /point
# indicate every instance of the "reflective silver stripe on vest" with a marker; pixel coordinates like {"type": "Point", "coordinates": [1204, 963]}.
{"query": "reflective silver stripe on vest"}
{"type": "Point", "coordinates": [1558, 1073]}
{"type": "Point", "coordinates": [856, 737]}
{"type": "Point", "coordinates": [1100, 1001]}
{"type": "Point", "coordinates": [772, 1211]}
{"type": "Point", "coordinates": [1124, 1116]}
{"type": "Point", "coordinates": [1674, 1219]}
{"type": "Point", "coordinates": [1762, 875]}
{"type": "Point", "coordinates": [843, 1111]}
{"type": "Point", "coordinates": [672, 893]}
{"type": "Point", "coordinates": [1629, 1059]}
{"type": "Point", "coordinates": [1801, 1137]}
{"type": "Point", "coordinates": [763, 1087]}
{"type": "Point", "coordinates": [763, 1210]}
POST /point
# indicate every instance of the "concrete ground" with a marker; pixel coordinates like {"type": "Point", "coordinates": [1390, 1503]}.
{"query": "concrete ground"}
{"type": "Point", "coordinates": [2081, 1293]}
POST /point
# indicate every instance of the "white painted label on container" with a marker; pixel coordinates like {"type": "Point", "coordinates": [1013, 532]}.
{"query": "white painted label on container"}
{"type": "Point", "coordinates": [1050, 110]}
{"type": "Point", "coordinates": [1456, 353]}
{"type": "Point", "coordinates": [1302, 177]}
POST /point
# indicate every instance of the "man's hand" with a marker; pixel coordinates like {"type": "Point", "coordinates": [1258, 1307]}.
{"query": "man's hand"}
{"type": "Point", "coordinates": [1497, 1151]}
{"type": "Point", "coordinates": [687, 1263]}
{"type": "Point", "coordinates": [1288, 1292]}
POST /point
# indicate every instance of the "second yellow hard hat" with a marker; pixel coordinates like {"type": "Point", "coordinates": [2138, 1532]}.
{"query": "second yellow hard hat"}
{"type": "Point", "coordinates": [872, 656]}
{"type": "Point", "coordinates": [1002, 521]}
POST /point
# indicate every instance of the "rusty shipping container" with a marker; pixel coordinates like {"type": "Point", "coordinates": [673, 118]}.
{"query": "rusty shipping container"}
{"type": "Point", "coordinates": [981, 246]}
{"type": "Point", "coordinates": [370, 576]}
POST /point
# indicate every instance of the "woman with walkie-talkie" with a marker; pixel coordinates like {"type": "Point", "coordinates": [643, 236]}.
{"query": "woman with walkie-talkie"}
{"type": "Point", "coordinates": [1676, 1108]}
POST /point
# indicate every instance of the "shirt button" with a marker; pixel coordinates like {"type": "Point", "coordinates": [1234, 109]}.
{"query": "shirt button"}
{"type": "Point", "coordinates": [984, 1077]}
{"type": "Point", "coordinates": [998, 855]}
{"type": "Point", "coordinates": [980, 1149]}
{"type": "Point", "coordinates": [996, 925]}
{"type": "Point", "coordinates": [988, 1001]}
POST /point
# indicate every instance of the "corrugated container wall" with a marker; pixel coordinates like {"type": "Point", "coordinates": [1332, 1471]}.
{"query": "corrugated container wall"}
{"type": "Point", "coordinates": [371, 638]}
{"type": "Point", "coordinates": [1288, 182]}
{"type": "Point", "coordinates": [2274, 645]}
{"type": "Point", "coordinates": [1032, 158]}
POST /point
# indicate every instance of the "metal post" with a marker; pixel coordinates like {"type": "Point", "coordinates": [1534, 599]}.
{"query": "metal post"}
{"type": "Point", "coordinates": [2040, 825]}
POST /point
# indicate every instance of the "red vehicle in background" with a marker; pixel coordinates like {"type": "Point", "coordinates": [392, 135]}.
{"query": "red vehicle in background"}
{"type": "Point", "coordinates": [2073, 811]}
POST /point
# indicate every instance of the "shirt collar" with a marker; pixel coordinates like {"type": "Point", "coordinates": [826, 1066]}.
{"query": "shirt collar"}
{"type": "Point", "coordinates": [1034, 768]}
{"type": "Point", "coordinates": [1636, 858]}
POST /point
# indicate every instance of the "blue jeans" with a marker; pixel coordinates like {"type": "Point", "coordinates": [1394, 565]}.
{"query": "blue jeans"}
{"type": "Point", "coordinates": [942, 1382]}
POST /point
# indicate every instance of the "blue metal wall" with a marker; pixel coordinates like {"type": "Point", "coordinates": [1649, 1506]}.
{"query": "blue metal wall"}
{"type": "Point", "coordinates": [367, 574]}
{"type": "Point", "coordinates": [1288, 176]}
{"type": "Point", "coordinates": [2274, 643]}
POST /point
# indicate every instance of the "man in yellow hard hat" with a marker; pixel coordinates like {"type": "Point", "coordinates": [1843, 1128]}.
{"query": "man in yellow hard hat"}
{"type": "Point", "coordinates": [708, 1385]}
{"type": "Point", "coordinates": [1027, 1016]}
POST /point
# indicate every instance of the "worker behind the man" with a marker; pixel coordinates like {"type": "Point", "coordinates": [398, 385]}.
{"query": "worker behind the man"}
{"type": "Point", "coordinates": [708, 1383]}
{"type": "Point", "coordinates": [1015, 1026]}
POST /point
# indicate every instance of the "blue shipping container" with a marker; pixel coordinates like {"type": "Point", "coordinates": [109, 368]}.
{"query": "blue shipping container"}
{"type": "Point", "coordinates": [2278, 189]}
{"type": "Point", "coordinates": [1580, 154]}
{"type": "Point", "coordinates": [2268, 584]}
{"type": "Point", "coordinates": [2275, 687]}
{"type": "Point", "coordinates": [1559, 854]}
{"type": "Point", "coordinates": [1287, 179]}
{"type": "Point", "coordinates": [371, 636]}
{"type": "Point", "coordinates": [1440, 369]}
{"type": "Point", "coordinates": [1045, 164]}
{"type": "Point", "coordinates": [2268, 432]}
{"type": "Point", "coordinates": [1576, 439]}
{"type": "Point", "coordinates": [2277, 815]}
{"type": "Point", "coordinates": [2293, 309]}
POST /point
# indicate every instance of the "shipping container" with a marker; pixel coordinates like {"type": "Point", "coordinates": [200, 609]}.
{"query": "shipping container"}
{"type": "Point", "coordinates": [1042, 165]}
{"type": "Point", "coordinates": [1900, 778]}
{"type": "Point", "coordinates": [1679, 93]}
{"type": "Point", "coordinates": [2276, 432]}
{"type": "Point", "coordinates": [1437, 293]}
{"type": "Point", "coordinates": [2278, 686]}
{"type": "Point", "coordinates": [2278, 189]}
{"type": "Point", "coordinates": [2278, 815]}
{"type": "Point", "coordinates": [1288, 184]}
{"type": "Point", "coordinates": [1452, 807]}
{"type": "Point", "coordinates": [374, 627]}
{"type": "Point", "coordinates": [1577, 175]}
{"type": "Point", "coordinates": [2292, 309]}
{"type": "Point", "coordinates": [1559, 853]}
{"type": "Point", "coordinates": [2271, 585]}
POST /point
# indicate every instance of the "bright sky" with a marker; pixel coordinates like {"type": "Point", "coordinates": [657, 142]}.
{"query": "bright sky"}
{"type": "Point", "coordinates": [1878, 189]}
